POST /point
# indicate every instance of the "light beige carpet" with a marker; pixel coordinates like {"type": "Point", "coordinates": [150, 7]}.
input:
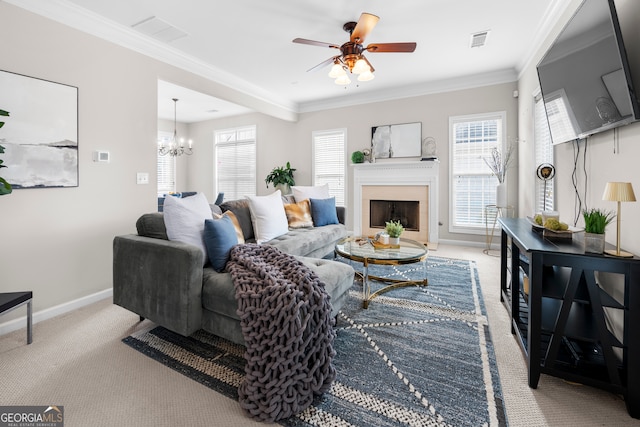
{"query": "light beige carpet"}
{"type": "Point", "coordinates": [78, 360]}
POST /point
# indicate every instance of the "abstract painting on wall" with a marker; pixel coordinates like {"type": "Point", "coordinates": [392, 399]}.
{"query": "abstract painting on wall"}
{"type": "Point", "coordinates": [41, 134]}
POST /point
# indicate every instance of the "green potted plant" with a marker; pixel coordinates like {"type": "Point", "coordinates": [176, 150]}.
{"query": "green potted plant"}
{"type": "Point", "coordinates": [394, 229]}
{"type": "Point", "coordinates": [282, 178]}
{"type": "Point", "coordinates": [595, 223]}
{"type": "Point", "coordinates": [357, 157]}
{"type": "Point", "coordinates": [5, 187]}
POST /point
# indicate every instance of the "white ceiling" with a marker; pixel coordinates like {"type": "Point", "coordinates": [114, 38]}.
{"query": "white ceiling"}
{"type": "Point", "coordinates": [247, 44]}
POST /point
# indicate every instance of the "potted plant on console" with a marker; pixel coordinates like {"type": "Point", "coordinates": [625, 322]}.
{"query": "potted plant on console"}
{"type": "Point", "coordinates": [394, 229]}
{"type": "Point", "coordinates": [281, 178]}
{"type": "Point", "coordinates": [595, 222]}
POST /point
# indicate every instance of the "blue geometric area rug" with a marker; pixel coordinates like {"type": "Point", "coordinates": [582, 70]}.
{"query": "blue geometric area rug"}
{"type": "Point", "coordinates": [418, 356]}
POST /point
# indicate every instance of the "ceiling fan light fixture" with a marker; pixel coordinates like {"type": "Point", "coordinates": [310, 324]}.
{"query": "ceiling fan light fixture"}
{"type": "Point", "coordinates": [366, 76]}
{"type": "Point", "coordinates": [360, 67]}
{"type": "Point", "coordinates": [336, 70]}
{"type": "Point", "coordinates": [343, 80]}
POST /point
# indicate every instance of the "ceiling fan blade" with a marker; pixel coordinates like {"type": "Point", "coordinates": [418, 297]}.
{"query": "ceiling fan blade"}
{"type": "Point", "coordinates": [322, 64]}
{"type": "Point", "coordinates": [365, 24]}
{"type": "Point", "coordinates": [391, 47]}
{"type": "Point", "coordinates": [315, 43]}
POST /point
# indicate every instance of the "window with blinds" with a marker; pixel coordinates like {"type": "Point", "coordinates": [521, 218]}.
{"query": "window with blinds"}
{"type": "Point", "coordinates": [235, 153]}
{"type": "Point", "coordinates": [543, 153]}
{"type": "Point", "coordinates": [561, 120]}
{"type": "Point", "coordinates": [166, 167]}
{"type": "Point", "coordinates": [328, 161]}
{"type": "Point", "coordinates": [472, 138]}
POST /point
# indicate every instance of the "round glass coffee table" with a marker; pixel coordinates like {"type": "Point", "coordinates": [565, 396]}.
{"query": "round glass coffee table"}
{"type": "Point", "coordinates": [368, 252]}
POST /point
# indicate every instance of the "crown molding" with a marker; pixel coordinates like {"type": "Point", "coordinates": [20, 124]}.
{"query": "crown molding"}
{"type": "Point", "coordinates": [86, 21]}
{"type": "Point", "coordinates": [552, 16]}
{"type": "Point", "coordinates": [413, 90]}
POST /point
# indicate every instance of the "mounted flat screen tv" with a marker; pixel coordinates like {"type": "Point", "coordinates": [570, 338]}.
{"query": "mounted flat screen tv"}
{"type": "Point", "coordinates": [586, 76]}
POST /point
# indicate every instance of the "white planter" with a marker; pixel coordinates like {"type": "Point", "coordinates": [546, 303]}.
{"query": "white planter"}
{"type": "Point", "coordinates": [394, 240]}
{"type": "Point", "coordinates": [501, 195]}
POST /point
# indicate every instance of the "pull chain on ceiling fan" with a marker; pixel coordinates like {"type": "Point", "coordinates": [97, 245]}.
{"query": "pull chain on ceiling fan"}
{"type": "Point", "coordinates": [351, 56]}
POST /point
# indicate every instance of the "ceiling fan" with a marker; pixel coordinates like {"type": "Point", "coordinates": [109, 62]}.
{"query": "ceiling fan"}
{"type": "Point", "coordinates": [351, 57]}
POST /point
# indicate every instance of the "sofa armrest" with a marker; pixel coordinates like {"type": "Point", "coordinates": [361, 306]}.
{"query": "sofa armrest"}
{"type": "Point", "coordinates": [342, 213]}
{"type": "Point", "coordinates": [160, 280]}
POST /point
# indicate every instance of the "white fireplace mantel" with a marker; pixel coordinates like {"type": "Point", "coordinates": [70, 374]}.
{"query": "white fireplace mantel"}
{"type": "Point", "coordinates": [397, 174]}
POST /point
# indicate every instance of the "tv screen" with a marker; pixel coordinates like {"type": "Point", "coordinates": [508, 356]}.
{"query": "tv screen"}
{"type": "Point", "coordinates": [585, 76]}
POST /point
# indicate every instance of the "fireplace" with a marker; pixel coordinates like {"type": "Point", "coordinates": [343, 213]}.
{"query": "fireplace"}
{"type": "Point", "coordinates": [407, 212]}
{"type": "Point", "coordinates": [405, 191]}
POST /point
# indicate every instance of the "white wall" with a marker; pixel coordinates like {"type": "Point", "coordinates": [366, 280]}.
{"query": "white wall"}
{"type": "Point", "coordinates": [606, 161]}
{"type": "Point", "coordinates": [280, 141]}
{"type": "Point", "coordinates": [58, 242]}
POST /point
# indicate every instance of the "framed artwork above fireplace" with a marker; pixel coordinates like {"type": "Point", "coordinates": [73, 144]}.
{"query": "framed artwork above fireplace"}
{"type": "Point", "coordinates": [395, 141]}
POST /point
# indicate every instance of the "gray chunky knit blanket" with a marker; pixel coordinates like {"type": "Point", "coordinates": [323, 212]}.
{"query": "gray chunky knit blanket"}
{"type": "Point", "coordinates": [288, 331]}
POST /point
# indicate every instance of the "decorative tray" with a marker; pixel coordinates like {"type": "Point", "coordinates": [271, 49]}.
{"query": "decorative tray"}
{"type": "Point", "coordinates": [548, 233]}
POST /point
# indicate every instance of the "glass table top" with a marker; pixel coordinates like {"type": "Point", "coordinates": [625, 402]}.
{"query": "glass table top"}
{"type": "Point", "coordinates": [360, 248]}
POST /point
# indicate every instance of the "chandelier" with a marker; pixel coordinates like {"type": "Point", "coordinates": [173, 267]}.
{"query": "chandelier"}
{"type": "Point", "coordinates": [175, 147]}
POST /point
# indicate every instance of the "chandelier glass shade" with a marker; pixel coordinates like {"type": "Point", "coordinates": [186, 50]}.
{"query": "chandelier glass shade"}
{"type": "Point", "coordinates": [353, 63]}
{"type": "Point", "coordinates": [176, 147]}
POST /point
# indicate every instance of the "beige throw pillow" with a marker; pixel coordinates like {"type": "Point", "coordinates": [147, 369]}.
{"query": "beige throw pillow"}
{"type": "Point", "coordinates": [299, 214]}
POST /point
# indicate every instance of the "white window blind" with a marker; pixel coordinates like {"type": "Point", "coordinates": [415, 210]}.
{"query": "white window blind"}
{"type": "Point", "coordinates": [236, 162]}
{"type": "Point", "coordinates": [472, 184]}
{"type": "Point", "coordinates": [561, 120]}
{"type": "Point", "coordinates": [166, 167]}
{"type": "Point", "coordinates": [543, 154]}
{"type": "Point", "coordinates": [329, 162]}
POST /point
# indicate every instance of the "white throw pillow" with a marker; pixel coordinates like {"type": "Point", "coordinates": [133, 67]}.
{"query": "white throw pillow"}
{"type": "Point", "coordinates": [184, 220]}
{"type": "Point", "coordinates": [268, 216]}
{"type": "Point", "coordinates": [301, 192]}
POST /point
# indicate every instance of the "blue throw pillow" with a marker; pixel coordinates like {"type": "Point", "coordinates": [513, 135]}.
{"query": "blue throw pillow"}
{"type": "Point", "coordinates": [323, 211]}
{"type": "Point", "coordinates": [219, 237]}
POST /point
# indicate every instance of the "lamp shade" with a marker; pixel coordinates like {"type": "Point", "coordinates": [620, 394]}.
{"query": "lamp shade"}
{"type": "Point", "coordinates": [336, 70]}
{"type": "Point", "coordinates": [343, 80]}
{"type": "Point", "coordinates": [619, 192]}
{"type": "Point", "coordinates": [366, 76]}
{"type": "Point", "coordinates": [361, 66]}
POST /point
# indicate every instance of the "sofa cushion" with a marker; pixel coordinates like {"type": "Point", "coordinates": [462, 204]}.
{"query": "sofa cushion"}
{"type": "Point", "coordinates": [219, 238]}
{"type": "Point", "coordinates": [184, 219]}
{"type": "Point", "coordinates": [218, 292]}
{"type": "Point", "coordinates": [240, 208]}
{"type": "Point", "coordinates": [301, 192]}
{"type": "Point", "coordinates": [323, 211]}
{"type": "Point", "coordinates": [308, 241]}
{"type": "Point", "coordinates": [299, 214]}
{"type": "Point", "coordinates": [268, 216]}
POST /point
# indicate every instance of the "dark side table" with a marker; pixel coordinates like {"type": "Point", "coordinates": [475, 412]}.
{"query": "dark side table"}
{"type": "Point", "coordinates": [12, 300]}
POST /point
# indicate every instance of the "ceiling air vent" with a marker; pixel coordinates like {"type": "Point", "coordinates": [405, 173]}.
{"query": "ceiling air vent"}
{"type": "Point", "coordinates": [159, 29]}
{"type": "Point", "coordinates": [479, 39]}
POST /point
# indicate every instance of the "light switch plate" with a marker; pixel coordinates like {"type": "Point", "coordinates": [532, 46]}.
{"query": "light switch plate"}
{"type": "Point", "coordinates": [142, 178]}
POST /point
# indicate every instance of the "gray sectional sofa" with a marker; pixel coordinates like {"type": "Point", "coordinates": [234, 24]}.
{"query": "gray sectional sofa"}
{"type": "Point", "coordinates": [164, 281]}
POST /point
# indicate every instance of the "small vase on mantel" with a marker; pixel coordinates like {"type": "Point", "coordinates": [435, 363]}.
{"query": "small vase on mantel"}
{"type": "Point", "coordinates": [501, 195]}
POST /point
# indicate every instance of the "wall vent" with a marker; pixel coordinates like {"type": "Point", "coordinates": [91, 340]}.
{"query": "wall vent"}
{"type": "Point", "coordinates": [159, 29]}
{"type": "Point", "coordinates": [479, 39]}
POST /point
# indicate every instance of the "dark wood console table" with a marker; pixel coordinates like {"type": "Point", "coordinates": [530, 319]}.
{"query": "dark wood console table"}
{"type": "Point", "coordinates": [557, 307]}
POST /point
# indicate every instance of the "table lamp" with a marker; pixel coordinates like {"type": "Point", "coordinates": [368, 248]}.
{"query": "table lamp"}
{"type": "Point", "coordinates": [618, 192]}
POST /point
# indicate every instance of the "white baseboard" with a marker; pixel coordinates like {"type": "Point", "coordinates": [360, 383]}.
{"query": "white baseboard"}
{"type": "Point", "coordinates": [468, 243]}
{"type": "Point", "coordinates": [21, 322]}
